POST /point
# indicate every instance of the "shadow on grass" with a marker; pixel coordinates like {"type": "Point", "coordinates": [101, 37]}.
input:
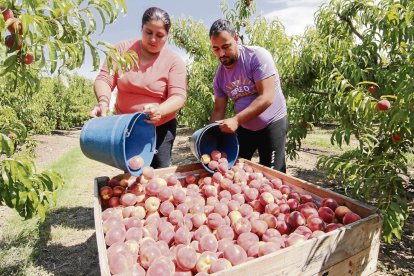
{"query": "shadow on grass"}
{"type": "Point", "coordinates": [76, 259]}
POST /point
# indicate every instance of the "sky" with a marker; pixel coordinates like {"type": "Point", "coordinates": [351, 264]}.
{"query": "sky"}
{"type": "Point", "coordinates": [295, 15]}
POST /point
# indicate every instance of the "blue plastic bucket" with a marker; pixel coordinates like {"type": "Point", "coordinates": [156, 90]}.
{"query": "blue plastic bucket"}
{"type": "Point", "coordinates": [210, 138]}
{"type": "Point", "coordinates": [113, 140]}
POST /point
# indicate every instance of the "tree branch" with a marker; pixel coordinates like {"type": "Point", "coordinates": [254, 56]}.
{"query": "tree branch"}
{"type": "Point", "coordinates": [349, 22]}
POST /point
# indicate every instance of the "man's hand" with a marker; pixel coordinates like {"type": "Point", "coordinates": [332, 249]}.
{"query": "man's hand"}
{"type": "Point", "coordinates": [229, 125]}
{"type": "Point", "coordinates": [153, 112]}
{"type": "Point", "coordinates": [101, 109]}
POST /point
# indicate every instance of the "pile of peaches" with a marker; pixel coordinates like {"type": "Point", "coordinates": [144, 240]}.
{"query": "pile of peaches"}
{"type": "Point", "coordinates": [188, 224]}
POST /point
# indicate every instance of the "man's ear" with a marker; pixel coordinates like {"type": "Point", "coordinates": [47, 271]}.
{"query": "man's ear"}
{"type": "Point", "coordinates": [236, 37]}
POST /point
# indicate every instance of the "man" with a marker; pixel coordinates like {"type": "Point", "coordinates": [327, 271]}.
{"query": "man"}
{"type": "Point", "coordinates": [248, 76]}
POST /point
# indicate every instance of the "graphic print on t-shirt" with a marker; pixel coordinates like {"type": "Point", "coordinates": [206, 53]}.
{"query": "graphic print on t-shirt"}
{"type": "Point", "coordinates": [239, 88]}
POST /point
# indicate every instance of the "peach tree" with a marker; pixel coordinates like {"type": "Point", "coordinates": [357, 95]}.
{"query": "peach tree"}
{"type": "Point", "coordinates": [356, 69]}
{"type": "Point", "coordinates": [40, 38]}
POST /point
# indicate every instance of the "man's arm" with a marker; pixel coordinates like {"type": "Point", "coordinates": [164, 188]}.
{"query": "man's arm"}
{"type": "Point", "coordinates": [266, 90]}
{"type": "Point", "coordinates": [219, 110]}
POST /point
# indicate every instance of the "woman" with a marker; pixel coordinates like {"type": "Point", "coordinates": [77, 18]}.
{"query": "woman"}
{"type": "Point", "coordinates": [157, 87]}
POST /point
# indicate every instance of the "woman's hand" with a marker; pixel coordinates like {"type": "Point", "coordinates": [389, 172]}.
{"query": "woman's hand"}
{"type": "Point", "coordinates": [153, 112]}
{"type": "Point", "coordinates": [99, 110]}
{"type": "Point", "coordinates": [229, 125]}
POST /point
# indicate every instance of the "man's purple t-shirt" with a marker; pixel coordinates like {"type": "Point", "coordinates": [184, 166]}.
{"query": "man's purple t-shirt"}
{"type": "Point", "coordinates": [238, 83]}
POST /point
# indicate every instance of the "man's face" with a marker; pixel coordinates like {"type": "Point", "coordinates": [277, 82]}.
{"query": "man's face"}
{"type": "Point", "coordinates": [225, 48]}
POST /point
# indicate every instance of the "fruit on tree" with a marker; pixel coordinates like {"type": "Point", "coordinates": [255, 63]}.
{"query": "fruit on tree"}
{"type": "Point", "coordinates": [383, 105]}
{"type": "Point", "coordinates": [16, 24]}
{"type": "Point", "coordinates": [396, 137]}
{"type": "Point", "coordinates": [372, 88]}
{"type": "Point", "coordinates": [7, 13]}
{"type": "Point", "coordinates": [28, 58]}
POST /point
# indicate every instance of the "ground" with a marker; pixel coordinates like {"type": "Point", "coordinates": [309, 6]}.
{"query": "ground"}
{"type": "Point", "coordinates": [396, 259]}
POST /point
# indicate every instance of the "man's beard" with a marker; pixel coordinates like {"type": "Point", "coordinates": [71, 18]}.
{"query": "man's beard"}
{"type": "Point", "coordinates": [228, 61]}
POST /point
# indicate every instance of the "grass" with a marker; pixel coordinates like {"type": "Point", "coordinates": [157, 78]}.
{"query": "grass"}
{"type": "Point", "coordinates": [21, 241]}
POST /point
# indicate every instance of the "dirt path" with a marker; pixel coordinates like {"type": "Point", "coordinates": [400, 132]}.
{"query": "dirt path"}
{"type": "Point", "coordinates": [396, 259]}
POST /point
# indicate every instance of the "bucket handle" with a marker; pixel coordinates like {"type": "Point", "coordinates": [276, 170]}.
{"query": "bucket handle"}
{"type": "Point", "coordinates": [128, 132]}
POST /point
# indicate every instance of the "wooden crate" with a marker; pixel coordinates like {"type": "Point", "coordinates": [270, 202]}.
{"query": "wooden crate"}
{"type": "Point", "coordinates": [349, 250]}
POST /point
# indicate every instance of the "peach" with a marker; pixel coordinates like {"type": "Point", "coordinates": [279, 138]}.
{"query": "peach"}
{"type": "Point", "coordinates": [205, 261]}
{"type": "Point", "coordinates": [235, 254]}
{"type": "Point", "coordinates": [167, 235]}
{"type": "Point", "coordinates": [307, 211]}
{"type": "Point", "coordinates": [148, 255]}
{"type": "Point", "coordinates": [210, 190]}
{"type": "Point", "coordinates": [186, 258]}
{"type": "Point", "coordinates": [190, 178]}
{"type": "Point", "coordinates": [172, 180]}
{"type": "Point", "coordinates": [271, 233]}
{"type": "Point", "coordinates": [215, 155]}
{"type": "Point", "coordinates": [350, 217]}
{"type": "Point", "coordinates": [182, 236]}
{"type": "Point", "coordinates": [178, 196]}
{"type": "Point", "coordinates": [283, 227]}
{"type": "Point", "coordinates": [219, 265]}
{"type": "Point", "coordinates": [268, 248]}
{"type": "Point", "coordinates": [213, 165]}
{"type": "Point", "coordinates": [205, 159]}
{"type": "Point", "coordinates": [121, 262]}
{"type": "Point", "coordinates": [199, 219]}
{"type": "Point", "coordinates": [233, 205]}
{"type": "Point", "coordinates": [183, 208]}
{"type": "Point", "coordinates": [148, 172]}
{"type": "Point", "coordinates": [117, 247]}
{"type": "Point", "coordinates": [222, 244]}
{"type": "Point", "coordinates": [136, 162]}
{"type": "Point", "coordinates": [214, 221]}
{"type": "Point", "coordinates": [270, 220]}
{"type": "Point", "coordinates": [332, 226]}
{"type": "Point", "coordinates": [284, 189]}
{"type": "Point", "coordinates": [266, 198]}
{"type": "Point", "coordinates": [166, 208]}
{"type": "Point", "coordinates": [225, 194]}
{"type": "Point", "coordinates": [133, 233]}
{"type": "Point", "coordinates": [150, 231]}
{"type": "Point", "coordinates": [329, 202]}
{"type": "Point", "coordinates": [139, 212]}
{"type": "Point", "coordinates": [305, 198]}
{"type": "Point", "coordinates": [208, 243]}
{"type": "Point", "coordinates": [315, 223]}
{"type": "Point", "coordinates": [251, 194]}
{"type": "Point", "coordinates": [175, 217]}
{"type": "Point", "coordinates": [133, 247]}
{"type": "Point", "coordinates": [117, 191]}
{"type": "Point", "coordinates": [245, 210]}
{"type": "Point", "coordinates": [239, 198]}
{"type": "Point", "coordinates": [128, 199]}
{"type": "Point", "coordinates": [259, 227]}
{"type": "Point", "coordinates": [200, 232]}
{"type": "Point", "coordinates": [293, 203]}
{"type": "Point", "coordinates": [115, 234]}
{"type": "Point", "coordinates": [246, 240]}
{"type": "Point", "coordinates": [295, 238]}
{"type": "Point", "coordinates": [132, 222]}
{"type": "Point", "coordinates": [234, 216]}
{"type": "Point", "coordinates": [235, 189]}
{"type": "Point", "coordinates": [316, 233]}
{"type": "Point", "coordinates": [152, 204]}
{"type": "Point", "coordinates": [161, 266]}
{"type": "Point", "coordinates": [222, 166]}
{"type": "Point", "coordinates": [272, 208]}
{"type": "Point", "coordinates": [242, 225]}
{"type": "Point", "coordinates": [303, 230]}
{"type": "Point", "coordinates": [165, 193]}
{"type": "Point", "coordinates": [276, 182]}
{"type": "Point", "coordinates": [326, 214]}
{"type": "Point", "coordinates": [105, 192]}
{"type": "Point", "coordinates": [340, 212]}
{"type": "Point", "coordinates": [225, 232]}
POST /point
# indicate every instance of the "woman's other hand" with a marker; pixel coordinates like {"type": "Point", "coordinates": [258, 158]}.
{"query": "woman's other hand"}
{"type": "Point", "coordinates": [101, 109]}
{"type": "Point", "coordinates": [153, 112]}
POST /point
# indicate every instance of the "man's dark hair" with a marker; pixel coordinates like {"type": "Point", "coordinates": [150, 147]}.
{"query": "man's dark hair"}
{"type": "Point", "coordinates": [155, 13]}
{"type": "Point", "coordinates": [222, 25]}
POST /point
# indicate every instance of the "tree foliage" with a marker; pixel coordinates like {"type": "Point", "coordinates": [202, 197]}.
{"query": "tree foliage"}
{"type": "Point", "coordinates": [40, 38]}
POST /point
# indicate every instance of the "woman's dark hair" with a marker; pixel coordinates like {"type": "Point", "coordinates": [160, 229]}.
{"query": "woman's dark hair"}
{"type": "Point", "coordinates": [155, 13]}
{"type": "Point", "coordinates": [222, 25]}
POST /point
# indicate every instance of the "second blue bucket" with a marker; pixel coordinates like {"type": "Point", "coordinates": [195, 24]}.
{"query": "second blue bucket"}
{"type": "Point", "coordinates": [113, 140]}
{"type": "Point", "coordinates": [210, 138]}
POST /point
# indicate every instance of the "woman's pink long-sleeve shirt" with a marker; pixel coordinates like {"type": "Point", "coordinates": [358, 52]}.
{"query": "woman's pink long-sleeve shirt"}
{"type": "Point", "coordinates": [150, 83]}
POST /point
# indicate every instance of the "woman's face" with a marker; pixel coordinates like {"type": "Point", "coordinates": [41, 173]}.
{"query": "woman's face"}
{"type": "Point", "coordinates": [154, 36]}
